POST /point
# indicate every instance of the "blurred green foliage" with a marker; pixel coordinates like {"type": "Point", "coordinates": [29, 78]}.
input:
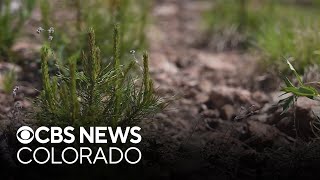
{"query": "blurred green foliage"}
{"type": "Point", "coordinates": [293, 32]}
{"type": "Point", "coordinates": [236, 21]}
{"type": "Point", "coordinates": [131, 15]}
{"type": "Point", "coordinates": [9, 81]}
{"type": "Point", "coordinates": [274, 29]}
{"type": "Point", "coordinates": [11, 22]}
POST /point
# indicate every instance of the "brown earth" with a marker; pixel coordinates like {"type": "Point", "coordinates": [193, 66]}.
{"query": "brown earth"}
{"type": "Point", "coordinates": [212, 89]}
{"type": "Point", "coordinates": [225, 114]}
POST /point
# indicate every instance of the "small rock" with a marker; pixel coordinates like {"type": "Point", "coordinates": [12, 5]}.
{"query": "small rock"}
{"type": "Point", "coordinates": [286, 125]}
{"type": "Point", "coordinates": [277, 96]}
{"type": "Point", "coordinates": [222, 95]}
{"type": "Point", "coordinates": [203, 107]}
{"type": "Point", "coordinates": [216, 62]}
{"type": "Point", "coordinates": [265, 135]}
{"type": "Point", "coordinates": [262, 117]}
{"type": "Point", "coordinates": [191, 93]}
{"type": "Point", "coordinates": [228, 112]}
{"type": "Point", "coordinates": [201, 98]}
{"type": "Point", "coordinates": [28, 91]}
{"type": "Point", "coordinates": [186, 101]}
{"type": "Point", "coordinates": [218, 99]}
{"type": "Point", "coordinates": [205, 86]}
{"type": "Point", "coordinates": [304, 115]}
{"type": "Point", "coordinates": [261, 130]}
{"type": "Point", "coordinates": [260, 97]}
{"type": "Point", "coordinates": [304, 103]}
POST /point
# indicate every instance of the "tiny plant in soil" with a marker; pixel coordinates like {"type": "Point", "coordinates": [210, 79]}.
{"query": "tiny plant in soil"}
{"type": "Point", "coordinates": [93, 93]}
{"type": "Point", "coordinates": [303, 89]}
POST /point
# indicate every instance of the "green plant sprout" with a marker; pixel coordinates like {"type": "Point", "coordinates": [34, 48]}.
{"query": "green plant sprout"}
{"type": "Point", "coordinates": [95, 94]}
{"type": "Point", "coordinates": [11, 22]}
{"type": "Point", "coordinates": [301, 90]}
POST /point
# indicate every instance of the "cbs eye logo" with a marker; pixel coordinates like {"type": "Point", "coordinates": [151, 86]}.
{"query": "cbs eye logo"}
{"type": "Point", "coordinates": [25, 135]}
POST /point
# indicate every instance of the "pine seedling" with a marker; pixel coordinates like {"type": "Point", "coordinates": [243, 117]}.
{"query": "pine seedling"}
{"type": "Point", "coordinates": [74, 104]}
{"type": "Point", "coordinates": [116, 52]}
{"type": "Point", "coordinates": [95, 94]}
{"type": "Point", "coordinates": [47, 93]}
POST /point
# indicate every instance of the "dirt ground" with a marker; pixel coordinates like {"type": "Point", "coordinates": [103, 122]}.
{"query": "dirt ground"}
{"type": "Point", "coordinates": [224, 121]}
{"type": "Point", "coordinates": [225, 115]}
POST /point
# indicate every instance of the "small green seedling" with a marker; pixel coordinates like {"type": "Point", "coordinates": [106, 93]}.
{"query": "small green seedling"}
{"type": "Point", "coordinates": [86, 92]}
{"type": "Point", "coordinates": [302, 90]}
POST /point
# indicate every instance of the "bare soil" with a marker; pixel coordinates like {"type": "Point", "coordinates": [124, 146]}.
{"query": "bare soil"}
{"type": "Point", "coordinates": [225, 121]}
